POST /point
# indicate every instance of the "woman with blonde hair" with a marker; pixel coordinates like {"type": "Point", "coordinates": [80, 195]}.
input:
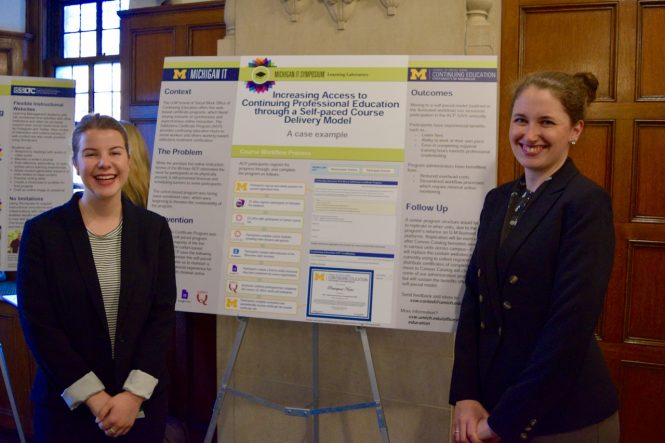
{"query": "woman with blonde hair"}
{"type": "Point", "coordinates": [96, 297]}
{"type": "Point", "coordinates": [138, 182]}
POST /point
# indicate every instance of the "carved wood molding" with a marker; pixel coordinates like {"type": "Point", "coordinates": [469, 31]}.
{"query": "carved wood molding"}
{"type": "Point", "coordinates": [13, 52]}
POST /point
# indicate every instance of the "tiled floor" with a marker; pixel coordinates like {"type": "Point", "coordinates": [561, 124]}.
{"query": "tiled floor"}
{"type": "Point", "coordinates": [8, 436]}
{"type": "Point", "coordinates": [11, 436]}
{"type": "Point", "coordinates": [176, 433]}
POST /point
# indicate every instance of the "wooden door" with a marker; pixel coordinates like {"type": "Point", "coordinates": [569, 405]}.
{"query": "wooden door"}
{"type": "Point", "coordinates": [21, 369]}
{"type": "Point", "coordinates": [147, 35]}
{"type": "Point", "coordinates": [622, 149]}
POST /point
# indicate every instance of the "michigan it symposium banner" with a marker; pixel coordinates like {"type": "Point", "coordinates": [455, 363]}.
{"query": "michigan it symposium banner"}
{"type": "Point", "coordinates": [340, 189]}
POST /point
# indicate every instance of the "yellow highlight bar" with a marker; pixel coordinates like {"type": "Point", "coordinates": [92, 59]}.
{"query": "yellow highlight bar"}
{"type": "Point", "coordinates": [330, 74]}
{"type": "Point", "coordinates": [45, 83]}
{"type": "Point", "coordinates": [5, 90]}
{"type": "Point", "coordinates": [318, 153]}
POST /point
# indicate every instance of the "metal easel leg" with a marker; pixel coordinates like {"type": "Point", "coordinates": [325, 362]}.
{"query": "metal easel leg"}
{"type": "Point", "coordinates": [10, 394]}
{"type": "Point", "coordinates": [315, 381]}
{"type": "Point", "coordinates": [240, 333]}
{"type": "Point", "coordinates": [383, 429]}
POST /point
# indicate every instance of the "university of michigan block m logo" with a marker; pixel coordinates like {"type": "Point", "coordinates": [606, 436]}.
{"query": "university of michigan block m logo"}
{"type": "Point", "coordinates": [231, 303]}
{"type": "Point", "coordinates": [319, 276]}
{"type": "Point", "coordinates": [180, 74]}
{"type": "Point", "coordinates": [418, 74]}
{"type": "Point", "coordinates": [241, 186]}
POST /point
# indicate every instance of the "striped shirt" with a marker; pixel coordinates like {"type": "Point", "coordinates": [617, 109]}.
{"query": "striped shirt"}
{"type": "Point", "coordinates": [106, 254]}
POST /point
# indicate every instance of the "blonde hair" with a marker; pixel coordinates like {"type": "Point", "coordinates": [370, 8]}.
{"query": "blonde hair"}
{"type": "Point", "coordinates": [136, 187]}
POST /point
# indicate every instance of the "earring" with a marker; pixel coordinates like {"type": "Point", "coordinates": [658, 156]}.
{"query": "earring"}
{"type": "Point", "coordinates": [572, 142]}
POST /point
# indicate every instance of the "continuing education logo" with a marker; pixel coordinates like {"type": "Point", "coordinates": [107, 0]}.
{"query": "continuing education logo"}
{"type": "Point", "coordinates": [260, 77]}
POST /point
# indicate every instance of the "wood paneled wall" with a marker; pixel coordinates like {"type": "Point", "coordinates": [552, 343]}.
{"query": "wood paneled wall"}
{"type": "Point", "coordinates": [623, 149]}
{"type": "Point", "coordinates": [150, 34]}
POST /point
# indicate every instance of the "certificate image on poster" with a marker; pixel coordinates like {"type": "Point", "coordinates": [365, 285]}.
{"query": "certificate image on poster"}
{"type": "Point", "coordinates": [340, 293]}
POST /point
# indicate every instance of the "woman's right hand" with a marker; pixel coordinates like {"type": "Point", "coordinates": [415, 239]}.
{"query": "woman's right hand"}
{"type": "Point", "coordinates": [96, 401]}
{"type": "Point", "coordinates": [119, 414]}
{"type": "Point", "coordinates": [468, 413]}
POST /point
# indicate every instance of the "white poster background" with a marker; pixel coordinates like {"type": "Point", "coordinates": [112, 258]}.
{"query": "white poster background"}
{"type": "Point", "coordinates": [450, 166]}
{"type": "Point", "coordinates": [36, 121]}
{"type": "Point", "coordinates": [189, 173]}
{"type": "Point", "coordinates": [357, 165]}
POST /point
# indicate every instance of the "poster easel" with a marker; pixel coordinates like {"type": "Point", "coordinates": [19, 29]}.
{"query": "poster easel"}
{"type": "Point", "coordinates": [315, 410]}
{"type": "Point", "coordinates": [10, 395]}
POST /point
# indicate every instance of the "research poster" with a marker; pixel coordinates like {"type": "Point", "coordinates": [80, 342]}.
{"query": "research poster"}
{"type": "Point", "coordinates": [36, 120]}
{"type": "Point", "coordinates": [340, 189]}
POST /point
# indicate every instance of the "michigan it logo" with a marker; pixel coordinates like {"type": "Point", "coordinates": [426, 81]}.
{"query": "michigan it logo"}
{"type": "Point", "coordinates": [180, 74]}
{"type": "Point", "coordinates": [416, 74]}
{"type": "Point", "coordinates": [260, 77]}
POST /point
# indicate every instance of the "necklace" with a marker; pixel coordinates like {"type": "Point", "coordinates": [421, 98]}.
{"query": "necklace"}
{"type": "Point", "coordinates": [522, 202]}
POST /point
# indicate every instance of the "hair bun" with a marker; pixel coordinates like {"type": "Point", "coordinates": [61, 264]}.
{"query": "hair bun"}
{"type": "Point", "coordinates": [589, 82]}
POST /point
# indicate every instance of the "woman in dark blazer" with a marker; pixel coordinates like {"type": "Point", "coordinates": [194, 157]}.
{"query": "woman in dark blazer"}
{"type": "Point", "coordinates": [527, 366]}
{"type": "Point", "coordinates": [96, 293]}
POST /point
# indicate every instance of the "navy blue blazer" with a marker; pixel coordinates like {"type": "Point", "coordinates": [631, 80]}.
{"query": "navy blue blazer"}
{"type": "Point", "coordinates": [525, 345]}
{"type": "Point", "coordinates": [61, 307]}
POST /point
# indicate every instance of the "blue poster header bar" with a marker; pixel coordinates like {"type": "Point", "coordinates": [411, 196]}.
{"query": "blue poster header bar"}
{"type": "Point", "coordinates": [487, 75]}
{"type": "Point", "coordinates": [43, 91]}
{"type": "Point", "coordinates": [211, 74]}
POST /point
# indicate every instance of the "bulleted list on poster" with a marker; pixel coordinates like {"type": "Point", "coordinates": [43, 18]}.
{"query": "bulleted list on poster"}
{"type": "Point", "coordinates": [342, 189]}
{"type": "Point", "coordinates": [36, 120]}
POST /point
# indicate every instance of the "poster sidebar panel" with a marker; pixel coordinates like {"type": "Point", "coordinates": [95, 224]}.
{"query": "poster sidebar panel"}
{"type": "Point", "coordinates": [189, 171]}
{"type": "Point", "coordinates": [36, 121]}
{"type": "Point", "coordinates": [450, 166]}
{"type": "Point", "coordinates": [5, 141]}
{"type": "Point", "coordinates": [315, 186]}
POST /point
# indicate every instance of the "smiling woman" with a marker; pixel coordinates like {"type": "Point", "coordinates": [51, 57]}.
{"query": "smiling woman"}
{"type": "Point", "coordinates": [527, 365]}
{"type": "Point", "coordinates": [546, 120]}
{"type": "Point", "coordinates": [101, 160]}
{"type": "Point", "coordinates": [540, 134]}
{"type": "Point", "coordinates": [96, 290]}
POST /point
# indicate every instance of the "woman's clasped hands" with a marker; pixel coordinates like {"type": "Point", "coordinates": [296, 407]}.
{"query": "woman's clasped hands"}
{"type": "Point", "coordinates": [115, 415]}
{"type": "Point", "coordinates": [470, 423]}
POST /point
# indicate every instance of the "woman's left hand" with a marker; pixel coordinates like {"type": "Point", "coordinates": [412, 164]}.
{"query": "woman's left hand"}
{"type": "Point", "coordinates": [119, 414]}
{"type": "Point", "coordinates": [485, 433]}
